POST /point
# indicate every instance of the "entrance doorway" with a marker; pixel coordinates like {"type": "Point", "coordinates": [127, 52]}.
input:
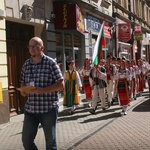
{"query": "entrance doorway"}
{"type": "Point", "coordinates": [17, 36]}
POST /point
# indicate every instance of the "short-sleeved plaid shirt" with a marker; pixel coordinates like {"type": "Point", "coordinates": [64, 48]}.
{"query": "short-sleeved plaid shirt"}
{"type": "Point", "coordinates": [45, 73]}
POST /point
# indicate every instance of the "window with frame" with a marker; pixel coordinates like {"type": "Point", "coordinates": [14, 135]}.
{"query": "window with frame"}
{"type": "Point", "coordinates": [146, 13]}
{"type": "Point", "coordinates": [125, 4]}
{"type": "Point", "coordinates": [119, 2]}
{"type": "Point", "coordinates": [140, 9]}
{"type": "Point", "coordinates": [137, 7]}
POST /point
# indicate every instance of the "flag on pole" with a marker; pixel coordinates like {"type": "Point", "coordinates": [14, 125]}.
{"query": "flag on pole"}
{"type": "Point", "coordinates": [100, 43]}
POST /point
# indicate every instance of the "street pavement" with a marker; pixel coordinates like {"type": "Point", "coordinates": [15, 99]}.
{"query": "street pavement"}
{"type": "Point", "coordinates": [105, 130]}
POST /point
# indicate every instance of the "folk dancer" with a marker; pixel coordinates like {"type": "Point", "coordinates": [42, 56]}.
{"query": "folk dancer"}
{"type": "Point", "coordinates": [145, 63]}
{"type": "Point", "coordinates": [148, 76]}
{"type": "Point", "coordinates": [84, 73]}
{"type": "Point", "coordinates": [97, 81]}
{"type": "Point", "coordinates": [132, 74]}
{"type": "Point", "coordinates": [122, 78]}
{"type": "Point", "coordinates": [141, 77]}
{"type": "Point", "coordinates": [135, 78]}
{"type": "Point", "coordinates": [72, 84]}
{"type": "Point", "coordinates": [110, 71]}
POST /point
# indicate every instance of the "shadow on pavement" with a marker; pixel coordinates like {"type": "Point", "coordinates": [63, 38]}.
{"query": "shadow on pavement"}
{"type": "Point", "coordinates": [143, 107]}
{"type": "Point", "coordinates": [71, 117]}
{"type": "Point", "coordinates": [109, 116]}
{"type": "Point", "coordinates": [66, 116]}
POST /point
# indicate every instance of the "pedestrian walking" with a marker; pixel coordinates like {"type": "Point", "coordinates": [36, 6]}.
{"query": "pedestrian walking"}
{"type": "Point", "coordinates": [98, 83]}
{"type": "Point", "coordinates": [141, 76]}
{"type": "Point", "coordinates": [135, 78]}
{"type": "Point", "coordinates": [42, 72]}
{"type": "Point", "coordinates": [110, 71]}
{"type": "Point", "coordinates": [72, 86]}
{"type": "Point", "coordinates": [122, 78]}
{"type": "Point", "coordinates": [84, 73]}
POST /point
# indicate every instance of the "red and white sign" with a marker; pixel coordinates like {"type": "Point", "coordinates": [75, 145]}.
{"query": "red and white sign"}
{"type": "Point", "coordinates": [126, 50]}
{"type": "Point", "coordinates": [124, 32]}
{"type": "Point", "coordinates": [137, 29]}
{"type": "Point", "coordinates": [106, 32]}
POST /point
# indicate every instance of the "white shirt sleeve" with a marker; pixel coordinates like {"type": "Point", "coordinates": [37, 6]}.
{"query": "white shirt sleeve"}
{"type": "Point", "coordinates": [78, 80]}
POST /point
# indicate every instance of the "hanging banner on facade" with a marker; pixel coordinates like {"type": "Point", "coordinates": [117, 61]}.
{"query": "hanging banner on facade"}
{"type": "Point", "coordinates": [137, 29]}
{"type": "Point", "coordinates": [124, 32]}
{"type": "Point", "coordinates": [138, 35]}
{"type": "Point", "coordinates": [106, 32]}
{"type": "Point", "coordinates": [68, 16]}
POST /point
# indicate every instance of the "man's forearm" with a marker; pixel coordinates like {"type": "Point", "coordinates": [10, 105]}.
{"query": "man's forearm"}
{"type": "Point", "coordinates": [55, 87]}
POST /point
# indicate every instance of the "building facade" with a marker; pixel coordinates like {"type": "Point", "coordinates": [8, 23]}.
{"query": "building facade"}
{"type": "Point", "coordinates": [132, 27]}
{"type": "Point", "coordinates": [22, 19]}
{"type": "Point", "coordinates": [77, 24]}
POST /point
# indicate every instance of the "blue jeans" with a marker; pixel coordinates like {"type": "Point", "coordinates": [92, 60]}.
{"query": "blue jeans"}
{"type": "Point", "coordinates": [30, 128]}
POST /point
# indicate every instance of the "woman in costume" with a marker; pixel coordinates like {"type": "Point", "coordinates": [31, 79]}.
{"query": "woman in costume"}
{"type": "Point", "coordinates": [148, 76]}
{"type": "Point", "coordinates": [135, 78]}
{"type": "Point", "coordinates": [122, 85]}
{"type": "Point", "coordinates": [72, 84]}
{"type": "Point", "coordinates": [141, 76]}
{"type": "Point", "coordinates": [84, 73]}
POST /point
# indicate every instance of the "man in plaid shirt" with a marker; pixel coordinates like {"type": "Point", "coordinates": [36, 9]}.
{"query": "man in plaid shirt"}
{"type": "Point", "coordinates": [41, 107]}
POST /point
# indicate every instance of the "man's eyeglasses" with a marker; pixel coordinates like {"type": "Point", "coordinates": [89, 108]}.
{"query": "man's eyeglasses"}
{"type": "Point", "coordinates": [32, 46]}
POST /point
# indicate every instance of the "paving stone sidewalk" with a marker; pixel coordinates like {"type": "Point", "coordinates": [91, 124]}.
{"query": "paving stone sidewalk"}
{"type": "Point", "coordinates": [108, 130]}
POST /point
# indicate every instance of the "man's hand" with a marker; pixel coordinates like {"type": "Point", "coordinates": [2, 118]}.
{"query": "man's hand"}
{"type": "Point", "coordinates": [23, 94]}
{"type": "Point", "coordinates": [80, 88]}
{"type": "Point", "coordinates": [37, 91]}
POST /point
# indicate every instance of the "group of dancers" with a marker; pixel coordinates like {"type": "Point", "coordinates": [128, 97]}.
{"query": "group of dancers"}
{"type": "Point", "coordinates": [118, 78]}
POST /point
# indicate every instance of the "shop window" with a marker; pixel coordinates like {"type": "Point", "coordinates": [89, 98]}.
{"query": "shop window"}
{"type": "Point", "coordinates": [77, 41]}
{"type": "Point", "coordinates": [68, 40]}
{"type": "Point", "coordinates": [58, 39]}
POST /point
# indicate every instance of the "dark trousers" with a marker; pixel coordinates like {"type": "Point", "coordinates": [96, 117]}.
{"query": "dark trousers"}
{"type": "Point", "coordinates": [30, 128]}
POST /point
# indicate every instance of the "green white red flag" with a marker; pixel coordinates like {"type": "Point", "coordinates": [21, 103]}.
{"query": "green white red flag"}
{"type": "Point", "coordinates": [100, 43]}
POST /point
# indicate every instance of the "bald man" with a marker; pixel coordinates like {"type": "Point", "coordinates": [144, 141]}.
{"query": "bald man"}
{"type": "Point", "coordinates": [43, 73]}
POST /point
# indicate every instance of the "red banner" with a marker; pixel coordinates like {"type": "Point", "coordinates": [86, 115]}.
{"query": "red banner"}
{"type": "Point", "coordinates": [124, 32]}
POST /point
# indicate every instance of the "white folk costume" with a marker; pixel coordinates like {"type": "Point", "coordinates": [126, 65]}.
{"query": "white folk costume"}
{"type": "Point", "coordinates": [132, 74]}
{"type": "Point", "coordinates": [110, 71]}
{"type": "Point", "coordinates": [134, 80]}
{"type": "Point", "coordinates": [148, 76]}
{"type": "Point", "coordinates": [98, 84]}
{"type": "Point", "coordinates": [142, 72]}
{"type": "Point", "coordinates": [122, 78]}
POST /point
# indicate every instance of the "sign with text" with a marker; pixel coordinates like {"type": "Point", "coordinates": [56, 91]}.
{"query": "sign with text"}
{"type": "Point", "coordinates": [68, 16]}
{"type": "Point", "coordinates": [124, 32]}
{"type": "Point", "coordinates": [106, 32]}
{"type": "Point", "coordinates": [137, 29]}
{"type": "Point", "coordinates": [138, 35]}
{"type": "Point", "coordinates": [93, 24]}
